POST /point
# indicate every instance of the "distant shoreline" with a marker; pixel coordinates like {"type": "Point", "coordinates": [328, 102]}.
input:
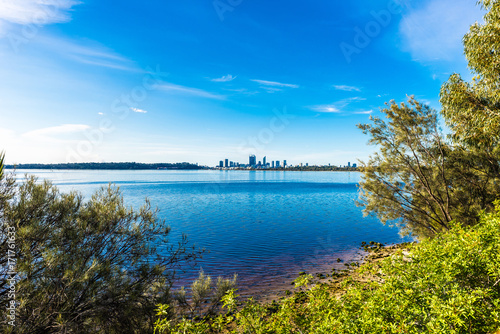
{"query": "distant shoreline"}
{"type": "Point", "coordinates": [172, 166]}
{"type": "Point", "coordinates": [110, 166]}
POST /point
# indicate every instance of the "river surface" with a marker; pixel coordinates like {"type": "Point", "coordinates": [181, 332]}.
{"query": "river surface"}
{"type": "Point", "coordinates": [265, 226]}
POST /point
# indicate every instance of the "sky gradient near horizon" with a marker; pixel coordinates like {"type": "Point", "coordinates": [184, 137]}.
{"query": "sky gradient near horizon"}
{"type": "Point", "coordinates": [201, 81]}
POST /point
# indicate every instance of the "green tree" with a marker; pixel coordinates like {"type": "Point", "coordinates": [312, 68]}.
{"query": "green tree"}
{"type": "Point", "coordinates": [426, 181]}
{"type": "Point", "coordinates": [472, 109]}
{"type": "Point", "coordinates": [92, 266]}
{"type": "Point", "coordinates": [417, 179]}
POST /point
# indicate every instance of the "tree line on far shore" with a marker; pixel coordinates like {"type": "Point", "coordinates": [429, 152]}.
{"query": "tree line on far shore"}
{"type": "Point", "coordinates": [108, 166]}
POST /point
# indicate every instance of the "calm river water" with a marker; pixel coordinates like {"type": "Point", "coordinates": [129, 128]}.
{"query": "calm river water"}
{"type": "Point", "coordinates": [265, 226]}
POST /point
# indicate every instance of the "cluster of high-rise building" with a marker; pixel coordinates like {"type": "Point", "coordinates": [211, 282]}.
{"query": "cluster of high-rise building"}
{"type": "Point", "coordinates": [253, 163]}
{"type": "Point", "coordinates": [265, 164]}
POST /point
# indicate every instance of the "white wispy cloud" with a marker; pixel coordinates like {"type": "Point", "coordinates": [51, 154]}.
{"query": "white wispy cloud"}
{"type": "Point", "coordinates": [435, 31]}
{"type": "Point", "coordinates": [352, 99]}
{"type": "Point", "coordinates": [272, 89]}
{"type": "Point", "coordinates": [141, 111]}
{"type": "Point", "coordinates": [22, 148]}
{"type": "Point", "coordinates": [274, 84]}
{"type": "Point", "coordinates": [241, 91]}
{"type": "Point", "coordinates": [347, 88]}
{"type": "Point", "coordinates": [57, 130]}
{"type": "Point", "coordinates": [339, 106]}
{"type": "Point", "coordinates": [225, 78]}
{"type": "Point", "coordinates": [108, 64]}
{"type": "Point", "coordinates": [364, 112]}
{"type": "Point", "coordinates": [39, 12]}
{"type": "Point", "coordinates": [330, 108]}
{"type": "Point", "coordinates": [87, 52]}
{"type": "Point", "coordinates": [170, 87]}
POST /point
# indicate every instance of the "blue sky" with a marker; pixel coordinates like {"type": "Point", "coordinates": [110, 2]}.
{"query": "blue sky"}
{"type": "Point", "coordinates": [200, 81]}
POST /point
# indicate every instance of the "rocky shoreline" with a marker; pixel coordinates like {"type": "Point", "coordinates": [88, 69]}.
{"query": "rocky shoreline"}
{"type": "Point", "coordinates": [372, 253]}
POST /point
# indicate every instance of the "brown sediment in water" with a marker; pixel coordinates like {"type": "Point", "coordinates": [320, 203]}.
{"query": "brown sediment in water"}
{"type": "Point", "coordinates": [270, 288]}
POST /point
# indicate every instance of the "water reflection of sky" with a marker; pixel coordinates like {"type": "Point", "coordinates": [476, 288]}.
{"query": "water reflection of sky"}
{"type": "Point", "coordinates": [264, 226]}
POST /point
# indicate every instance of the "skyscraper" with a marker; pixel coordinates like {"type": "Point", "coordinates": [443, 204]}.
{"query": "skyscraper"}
{"type": "Point", "coordinates": [284, 163]}
{"type": "Point", "coordinates": [277, 163]}
{"type": "Point", "coordinates": [252, 160]}
{"type": "Point", "coordinates": [226, 163]}
{"type": "Point", "coordinates": [272, 164]}
{"type": "Point", "coordinates": [264, 161]}
{"type": "Point", "coordinates": [221, 164]}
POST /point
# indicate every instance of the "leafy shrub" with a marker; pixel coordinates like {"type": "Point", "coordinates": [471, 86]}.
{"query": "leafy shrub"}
{"type": "Point", "coordinates": [449, 284]}
{"type": "Point", "coordinates": [203, 302]}
{"type": "Point", "coordinates": [82, 266]}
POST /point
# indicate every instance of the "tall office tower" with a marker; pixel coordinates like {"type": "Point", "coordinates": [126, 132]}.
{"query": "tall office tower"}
{"type": "Point", "coordinates": [226, 163]}
{"type": "Point", "coordinates": [284, 163]}
{"type": "Point", "coordinates": [348, 164]}
{"type": "Point", "coordinates": [231, 164]}
{"type": "Point", "coordinates": [272, 164]}
{"type": "Point", "coordinates": [354, 165]}
{"type": "Point", "coordinates": [277, 163]}
{"type": "Point", "coordinates": [264, 161]}
{"type": "Point", "coordinates": [221, 164]}
{"type": "Point", "coordinates": [252, 160]}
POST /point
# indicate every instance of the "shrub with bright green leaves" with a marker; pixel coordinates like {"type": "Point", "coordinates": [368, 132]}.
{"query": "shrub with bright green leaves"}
{"type": "Point", "coordinates": [448, 284]}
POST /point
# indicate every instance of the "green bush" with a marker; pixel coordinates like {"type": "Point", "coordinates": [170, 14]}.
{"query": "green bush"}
{"type": "Point", "coordinates": [202, 303]}
{"type": "Point", "coordinates": [81, 266]}
{"type": "Point", "coordinates": [449, 284]}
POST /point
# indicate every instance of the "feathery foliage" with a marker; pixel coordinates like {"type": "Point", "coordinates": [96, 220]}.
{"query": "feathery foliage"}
{"type": "Point", "coordinates": [472, 109]}
{"type": "Point", "coordinates": [418, 180]}
{"type": "Point", "coordinates": [92, 266]}
{"type": "Point", "coordinates": [422, 181]}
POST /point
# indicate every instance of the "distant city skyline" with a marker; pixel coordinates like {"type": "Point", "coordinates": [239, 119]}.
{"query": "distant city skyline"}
{"type": "Point", "coordinates": [255, 163]}
{"type": "Point", "coordinates": [185, 81]}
